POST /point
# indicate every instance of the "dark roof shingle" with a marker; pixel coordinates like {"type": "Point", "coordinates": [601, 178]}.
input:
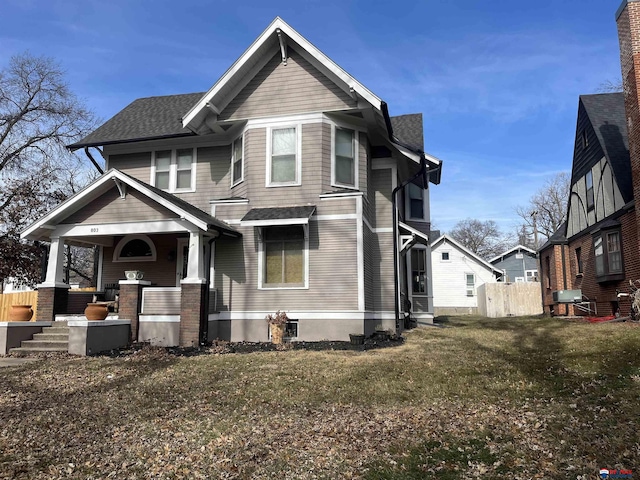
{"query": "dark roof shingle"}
{"type": "Point", "coordinates": [408, 129]}
{"type": "Point", "coordinates": [144, 118]}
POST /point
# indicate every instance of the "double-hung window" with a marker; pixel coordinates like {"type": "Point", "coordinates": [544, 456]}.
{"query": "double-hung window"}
{"type": "Point", "coordinates": [471, 284]}
{"type": "Point", "coordinates": [419, 271]}
{"type": "Point", "coordinates": [607, 250]}
{"type": "Point", "coordinates": [174, 170]}
{"type": "Point", "coordinates": [416, 202]}
{"type": "Point", "coordinates": [344, 158]}
{"type": "Point", "coordinates": [237, 161]}
{"type": "Point", "coordinates": [284, 257]}
{"type": "Point", "coordinates": [590, 196]}
{"type": "Point", "coordinates": [283, 162]}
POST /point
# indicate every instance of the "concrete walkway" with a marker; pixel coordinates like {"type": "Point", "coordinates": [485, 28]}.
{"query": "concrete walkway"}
{"type": "Point", "coordinates": [14, 362]}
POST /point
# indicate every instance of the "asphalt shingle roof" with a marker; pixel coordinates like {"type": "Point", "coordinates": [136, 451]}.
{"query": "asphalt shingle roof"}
{"type": "Point", "coordinates": [159, 117]}
{"type": "Point", "coordinates": [144, 118]}
{"type": "Point", "coordinates": [408, 129]}
{"type": "Point", "coordinates": [608, 118]}
{"type": "Point", "coordinates": [278, 213]}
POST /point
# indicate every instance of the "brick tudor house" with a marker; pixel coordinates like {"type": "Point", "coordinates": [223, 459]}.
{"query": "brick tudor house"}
{"type": "Point", "coordinates": [597, 249]}
{"type": "Point", "coordinates": [286, 186]}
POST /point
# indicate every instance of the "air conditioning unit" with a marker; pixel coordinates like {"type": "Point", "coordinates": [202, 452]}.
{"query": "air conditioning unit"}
{"type": "Point", "coordinates": [567, 296]}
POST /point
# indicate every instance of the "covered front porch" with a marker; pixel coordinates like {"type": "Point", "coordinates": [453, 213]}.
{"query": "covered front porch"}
{"type": "Point", "coordinates": [169, 301]}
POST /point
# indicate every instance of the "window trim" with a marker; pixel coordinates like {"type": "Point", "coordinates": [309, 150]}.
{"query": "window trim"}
{"type": "Point", "coordinates": [173, 169]}
{"type": "Point", "coordinates": [608, 275]}
{"type": "Point", "coordinates": [466, 284]}
{"type": "Point", "coordinates": [448, 252]}
{"type": "Point", "coordinates": [128, 238]}
{"type": "Point", "coordinates": [589, 192]}
{"type": "Point", "coordinates": [425, 205]}
{"type": "Point", "coordinates": [233, 160]}
{"type": "Point", "coordinates": [261, 258]}
{"type": "Point", "coordinates": [426, 271]}
{"type": "Point", "coordinates": [298, 135]}
{"type": "Point", "coordinates": [526, 276]}
{"type": "Point", "coordinates": [579, 262]}
{"type": "Point", "coordinates": [356, 154]}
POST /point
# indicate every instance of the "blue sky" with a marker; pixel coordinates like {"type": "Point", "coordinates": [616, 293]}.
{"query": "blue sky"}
{"type": "Point", "coordinates": [497, 82]}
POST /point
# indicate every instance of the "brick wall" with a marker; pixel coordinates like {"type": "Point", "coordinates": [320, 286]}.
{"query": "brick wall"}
{"type": "Point", "coordinates": [129, 306]}
{"type": "Point", "coordinates": [554, 278]}
{"type": "Point", "coordinates": [51, 300]}
{"type": "Point", "coordinates": [604, 294]}
{"type": "Point", "coordinates": [191, 311]}
{"type": "Point", "coordinates": [629, 38]}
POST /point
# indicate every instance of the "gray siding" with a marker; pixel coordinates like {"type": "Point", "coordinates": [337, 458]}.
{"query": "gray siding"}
{"type": "Point", "coordinates": [382, 272]}
{"type": "Point", "coordinates": [382, 186]}
{"type": "Point", "coordinates": [110, 208]}
{"type": "Point", "coordinates": [279, 89]}
{"type": "Point", "coordinates": [138, 165]}
{"type": "Point", "coordinates": [333, 281]}
{"type": "Point", "coordinates": [515, 267]}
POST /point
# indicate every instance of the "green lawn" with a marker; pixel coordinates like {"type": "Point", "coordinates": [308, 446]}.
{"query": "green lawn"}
{"type": "Point", "coordinates": [484, 398]}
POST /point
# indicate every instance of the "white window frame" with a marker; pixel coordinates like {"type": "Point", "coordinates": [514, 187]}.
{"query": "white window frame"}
{"type": "Point", "coordinates": [448, 252]}
{"type": "Point", "coordinates": [426, 272]}
{"type": "Point", "coordinates": [529, 274]}
{"type": "Point", "coordinates": [173, 169]}
{"type": "Point", "coordinates": [233, 161]}
{"type": "Point", "coordinates": [471, 292]}
{"type": "Point", "coordinates": [407, 204]}
{"type": "Point", "coordinates": [298, 181]}
{"type": "Point", "coordinates": [118, 250]}
{"type": "Point", "coordinates": [356, 166]}
{"type": "Point", "coordinates": [261, 259]}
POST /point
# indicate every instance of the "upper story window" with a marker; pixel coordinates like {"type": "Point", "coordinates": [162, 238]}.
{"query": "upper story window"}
{"type": "Point", "coordinates": [283, 157]}
{"type": "Point", "coordinates": [237, 161]}
{"type": "Point", "coordinates": [445, 256]}
{"type": "Point", "coordinates": [174, 170]}
{"type": "Point", "coordinates": [607, 251]}
{"type": "Point", "coordinates": [590, 197]}
{"type": "Point", "coordinates": [416, 200]}
{"type": "Point", "coordinates": [579, 260]}
{"type": "Point", "coordinates": [344, 165]}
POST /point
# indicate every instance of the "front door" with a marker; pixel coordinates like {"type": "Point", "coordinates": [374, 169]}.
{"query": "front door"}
{"type": "Point", "coordinates": [182, 259]}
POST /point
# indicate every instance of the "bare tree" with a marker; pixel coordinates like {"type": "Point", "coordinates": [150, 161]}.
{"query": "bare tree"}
{"type": "Point", "coordinates": [39, 115]}
{"type": "Point", "coordinates": [610, 87]}
{"type": "Point", "coordinates": [483, 238]}
{"type": "Point", "coordinates": [548, 206]}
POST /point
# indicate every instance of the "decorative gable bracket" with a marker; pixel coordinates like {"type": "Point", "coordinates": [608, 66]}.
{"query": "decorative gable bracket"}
{"type": "Point", "coordinates": [406, 242]}
{"type": "Point", "coordinates": [122, 187]}
{"type": "Point", "coordinates": [283, 46]}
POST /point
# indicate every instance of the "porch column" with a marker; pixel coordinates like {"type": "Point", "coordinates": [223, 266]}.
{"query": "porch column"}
{"type": "Point", "coordinates": [193, 291]}
{"type": "Point", "coordinates": [130, 303]}
{"type": "Point", "coordinates": [53, 294]}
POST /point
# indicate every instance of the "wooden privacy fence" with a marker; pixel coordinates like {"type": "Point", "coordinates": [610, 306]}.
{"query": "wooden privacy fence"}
{"type": "Point", "coordinates": [17, 298]}
{"type": "Point", "coordinates": [509, 299]}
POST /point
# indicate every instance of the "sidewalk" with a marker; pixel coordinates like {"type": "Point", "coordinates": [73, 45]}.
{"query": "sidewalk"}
{"type": "Point", "coordinates": [14, 362]}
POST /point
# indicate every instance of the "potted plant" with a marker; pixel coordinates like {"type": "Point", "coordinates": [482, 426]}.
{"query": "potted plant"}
{"type": "Point", "coordinates": [20, 313]}
{"type": "Point", "coordinates": [96, 311]}
{"type": "Point", "coordinates": [356, 338]}
{"type": "Point", "coordinates": [277, 323]}
{"type": "Point", "coordinates": [381, 333]}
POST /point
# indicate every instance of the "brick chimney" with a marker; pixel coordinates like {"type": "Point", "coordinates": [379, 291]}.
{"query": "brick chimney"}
{"type": "Point", "coordinates": [628, 20]}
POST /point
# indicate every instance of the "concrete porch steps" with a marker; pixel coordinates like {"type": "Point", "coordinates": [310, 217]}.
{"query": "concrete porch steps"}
{"type": "Point", "coordinates": [52, 339]}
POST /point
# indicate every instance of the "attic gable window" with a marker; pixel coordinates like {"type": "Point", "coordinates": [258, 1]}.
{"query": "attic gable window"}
{"type": "Point", "coordinates": [590, 196]}
{"type": "Point", "coordinates": [237, 161]}
{"type": "Point", "coordinates": [584, 139]}
{"type": "Point", "coordinates": [174, 170]}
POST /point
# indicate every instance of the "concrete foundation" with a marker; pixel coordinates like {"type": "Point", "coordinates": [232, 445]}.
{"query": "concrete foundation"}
{"type": "Point", "coordinates": [90, 337]}
{"type": "Point", "coordinates": [13, 333]}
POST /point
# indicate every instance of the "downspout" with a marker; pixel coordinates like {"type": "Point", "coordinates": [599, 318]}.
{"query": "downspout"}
{"type": "Point", "coordinates": [424, 172]}
{"type": "Point", "coordinates": [95, 164]}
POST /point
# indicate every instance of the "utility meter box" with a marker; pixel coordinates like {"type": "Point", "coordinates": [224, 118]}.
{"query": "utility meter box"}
{"type": "Point", "coordinates": [567, 296]}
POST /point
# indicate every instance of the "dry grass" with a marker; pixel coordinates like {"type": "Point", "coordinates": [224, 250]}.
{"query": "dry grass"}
{"type": "Point", "coordinates": [505, 398]}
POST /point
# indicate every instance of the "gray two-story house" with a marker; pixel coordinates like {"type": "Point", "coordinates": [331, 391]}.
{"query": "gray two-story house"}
{"type": "Point", "coordinates": [286, 186]}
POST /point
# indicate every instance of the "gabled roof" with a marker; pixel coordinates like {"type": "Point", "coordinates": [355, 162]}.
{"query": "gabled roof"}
{"type": "Point", "coordinates": [516, 249]}
{"type": "Point", "coordinates": [447, 239]}
{"type": "Point", "coordinates": [278, 35]}
{"type": "Point", "coordinates": [40, 229]}
{"type": "Point", "coordinates": [144, 119]}
{"type": "Point", "coordinates": [558, 237]}
{"type": "Point", "coordinates": [606, 113]}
